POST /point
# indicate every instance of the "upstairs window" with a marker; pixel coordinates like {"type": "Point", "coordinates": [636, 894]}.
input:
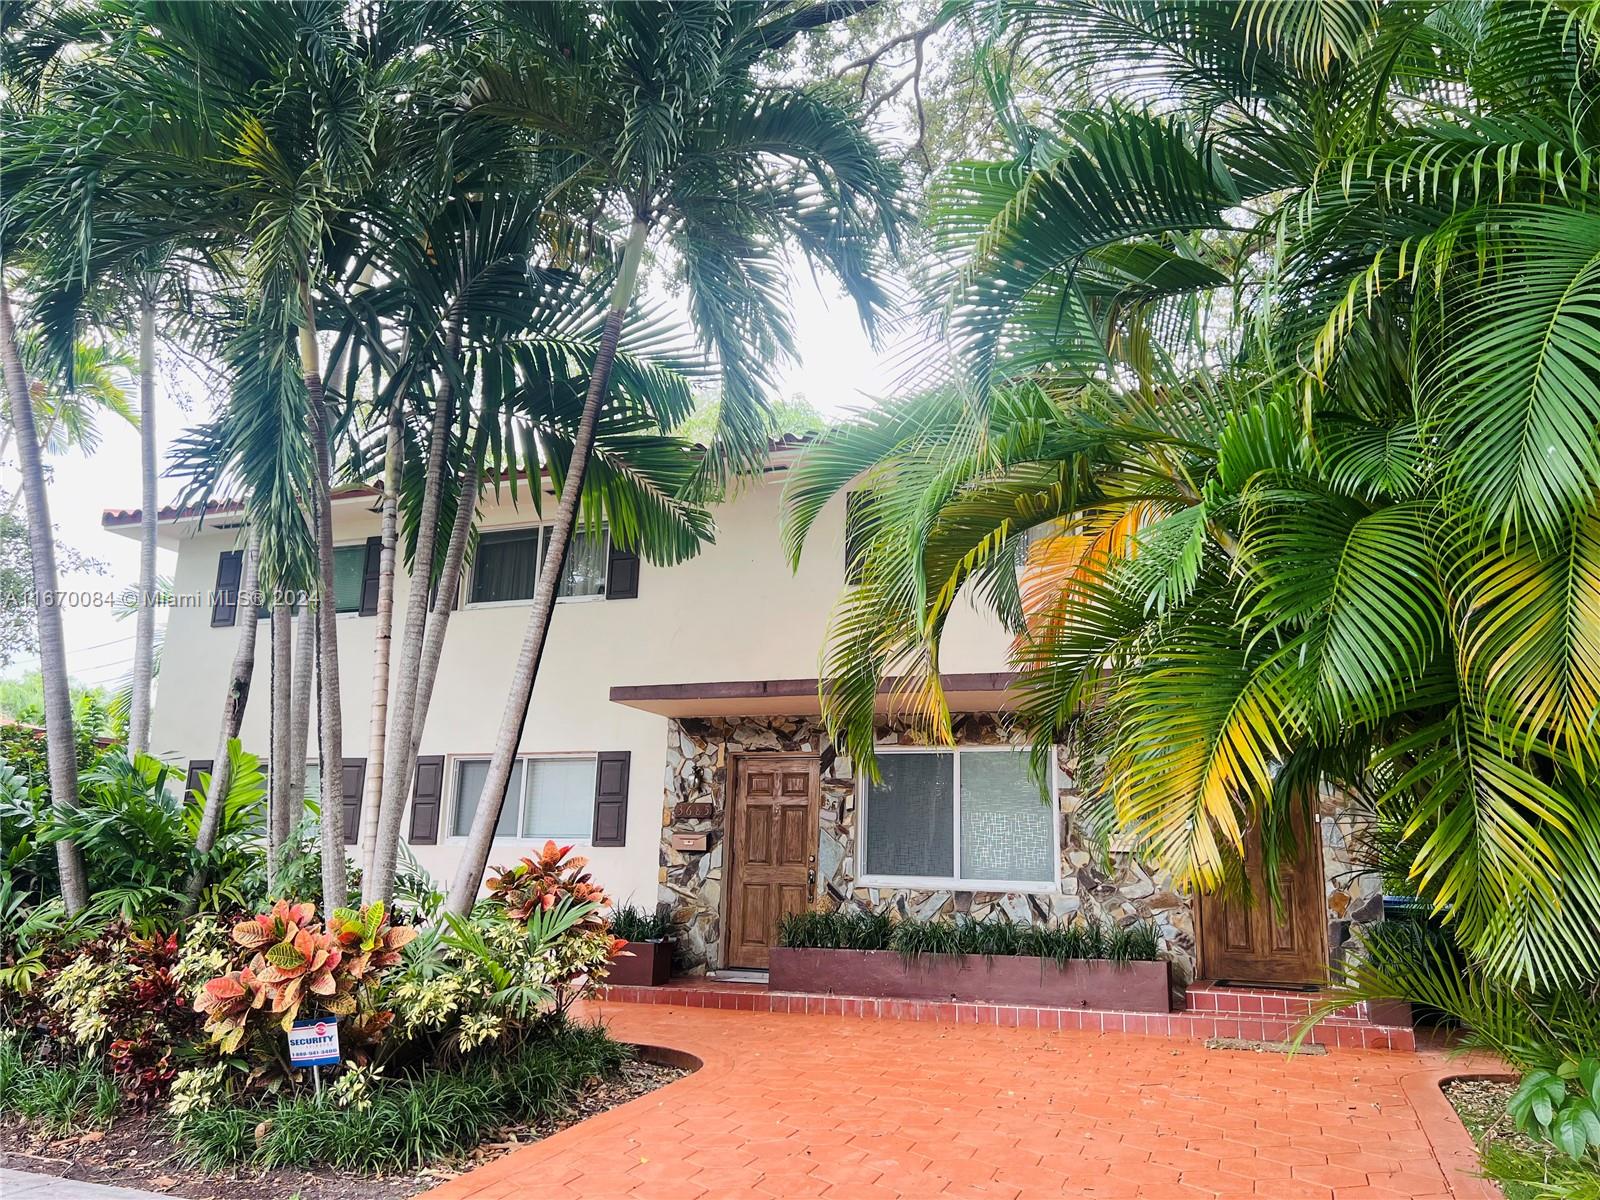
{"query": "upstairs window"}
{"type": "Point", "coordinates": [506, 567]}
{"type": "Point", "coordinates": [972, 819]}
{"type": "Point", "coordinates": [508, 563]}
{"type": "Point", "coordinates": [349, 576]}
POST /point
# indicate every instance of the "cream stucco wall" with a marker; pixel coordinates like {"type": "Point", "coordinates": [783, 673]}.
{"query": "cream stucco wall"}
{"type": "Point", "coordinates": [735, 612]}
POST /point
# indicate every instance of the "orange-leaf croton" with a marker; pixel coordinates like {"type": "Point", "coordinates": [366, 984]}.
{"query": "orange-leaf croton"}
{"type": "Point", "coordinates": [293, 960]}
{"type": "Point", "coordinates": [542, 882]}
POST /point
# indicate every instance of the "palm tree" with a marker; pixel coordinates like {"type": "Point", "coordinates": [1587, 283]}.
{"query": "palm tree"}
{"type": "Point", "coordinates": [531, 337]}
{"type": "Point", "coordinates": [286, 134]}
{"type": "Point", "coordinates": [60, 746]}
{"type": "Point", "coordinates": [382, 643]}
{"type": "Point", "coordinates": [240, 676]}
{"type": "Point", "coordinates": [1269, 428]}
{"type": "Point", "coordinates": [659, 112]}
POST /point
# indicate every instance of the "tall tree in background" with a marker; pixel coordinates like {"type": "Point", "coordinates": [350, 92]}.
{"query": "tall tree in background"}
{"type": "Point", "coordinates": [670, 132]}
{"type": "Point", "coordinates": [60, 744]}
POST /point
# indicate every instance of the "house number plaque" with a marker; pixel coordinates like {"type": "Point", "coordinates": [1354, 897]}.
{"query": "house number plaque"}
{"type": "Point", "coordinates": [694, 810]}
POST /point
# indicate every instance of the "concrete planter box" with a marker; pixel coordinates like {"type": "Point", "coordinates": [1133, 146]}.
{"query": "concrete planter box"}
{"type": "Point", "coordinates": [641, 964]}
{"type": "Point", "coordinates": [972, 978]}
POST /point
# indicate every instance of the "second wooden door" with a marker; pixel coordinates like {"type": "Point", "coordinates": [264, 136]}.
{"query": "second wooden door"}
{"type": "Point", "coordinates": [1259, 942]}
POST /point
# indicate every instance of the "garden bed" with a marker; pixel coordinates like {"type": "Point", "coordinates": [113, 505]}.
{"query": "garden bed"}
{"type": "Point", "coordinates": [976, 978]}
{"type": "Point", "coordinates": [1524, 1167]}
{"type": "Point", "coordinates": [138, 1151]}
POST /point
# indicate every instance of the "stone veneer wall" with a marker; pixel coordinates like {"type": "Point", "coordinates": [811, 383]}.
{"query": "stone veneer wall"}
{"type": "Point", "coordinates": [1354, 890]}
{"type": "Point", "coordinates": [1118, 892]}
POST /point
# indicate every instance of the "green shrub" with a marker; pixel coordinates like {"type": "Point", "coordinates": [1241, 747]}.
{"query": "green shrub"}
{"type": "Point", "coordinates": [60, 1096]}
{"type": "Point", "coordinates": [404, 1123]}
{"type": "Point", "coordinates": [1561, 1103]}
{"type": "Point", "coordinates": [633, 924]}
{"type": "Point", "coordinates": [844, 930]}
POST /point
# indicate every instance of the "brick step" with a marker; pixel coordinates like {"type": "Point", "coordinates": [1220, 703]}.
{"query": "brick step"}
{"type": "Point", "coordinates": [1348, 1031]}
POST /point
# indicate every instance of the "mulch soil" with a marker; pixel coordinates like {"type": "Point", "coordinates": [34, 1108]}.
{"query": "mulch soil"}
{"type": "Point", "coordinates": [135, 1151]}
{"type": "Point", "coordinates": [1481, 1105]}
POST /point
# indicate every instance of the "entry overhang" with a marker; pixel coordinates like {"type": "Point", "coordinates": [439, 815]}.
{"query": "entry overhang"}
{"type": "Point", "coordinates": [798, 697]}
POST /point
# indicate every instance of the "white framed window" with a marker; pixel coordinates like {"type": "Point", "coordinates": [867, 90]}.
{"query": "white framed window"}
{"type": "Point", "coordinates": [549, 796]}
{"type": "Point", "coordinates": [971, 819]}
{"type": "Point", "coordinates": [505, 569]}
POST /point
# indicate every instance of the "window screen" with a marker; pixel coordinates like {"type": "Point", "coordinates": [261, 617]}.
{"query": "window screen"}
{"type": "Point", "coordinates": [470, 777]}
{"type": "Point", "coordinates": [911, 816]}
{"type": "Point", "coordinates": [585, 572]}
{"type": "Point", "coordinates": [560, 802]}
{"type": "Point", "coordinates": [349, 569]}
{"type": "Point", "coordinates": [1007, 829]}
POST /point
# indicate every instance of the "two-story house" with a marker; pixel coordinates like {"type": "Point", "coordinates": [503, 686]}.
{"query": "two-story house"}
{"type": "Point", "coordinates": [674, 737]}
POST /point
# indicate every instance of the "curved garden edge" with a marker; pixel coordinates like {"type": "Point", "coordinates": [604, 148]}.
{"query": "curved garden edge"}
{"type": "Point", "coordinates": [1453, 1146]}
{"type": "Point", "coordinates": [518, 1161]}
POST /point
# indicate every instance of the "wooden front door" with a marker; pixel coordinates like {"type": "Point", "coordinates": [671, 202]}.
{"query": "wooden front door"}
{"type": "Point", "coordinates": [771, 851]}
{"type": "Point", "coordinates": [1259, 942]}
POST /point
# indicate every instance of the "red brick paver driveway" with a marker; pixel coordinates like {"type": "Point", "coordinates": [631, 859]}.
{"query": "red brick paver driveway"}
{"type": "Point", "coordinates": [797, 1106]}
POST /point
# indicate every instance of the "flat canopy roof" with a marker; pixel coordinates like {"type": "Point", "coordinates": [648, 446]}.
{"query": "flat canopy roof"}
{"type": "Point", "coordinates": [795, 697]}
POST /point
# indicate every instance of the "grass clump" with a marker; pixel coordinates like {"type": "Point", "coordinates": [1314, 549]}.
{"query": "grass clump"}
{"type": "Point", "coordinates": [634, 924]}
{"type": "Point", "coordinates": [835, 930]}
{"type": "Point", "coordinates": [404, 1124]}
{"type": "Point", "coordinates": [61, 1097]}
{"type": "Point", "coordinates": [844, 930]}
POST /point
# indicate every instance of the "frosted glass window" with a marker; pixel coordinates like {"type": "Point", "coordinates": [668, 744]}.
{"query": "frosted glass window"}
{"type": "Point", "coordinates": [470, 777]}
{"type": "Point", "coordinates": [585, 572]}
{"type": "Point", "coordinates": [560, 798]}
{"type": "Point", "coordinates": [1007, 829]}
{"type": "Point", "coordinates": [967, 819]}
{"type": "Point", "coordinates": [910, 818]}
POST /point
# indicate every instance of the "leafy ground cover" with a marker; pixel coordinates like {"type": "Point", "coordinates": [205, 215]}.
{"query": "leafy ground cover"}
{"type": "Point", "coordinates": [137, 1150]}
{"type": "Point", "coordinates": [1526, 1168]}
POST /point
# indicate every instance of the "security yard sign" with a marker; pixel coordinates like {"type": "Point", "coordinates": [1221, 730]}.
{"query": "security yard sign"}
{"type": "Point", "coordinates": [314, 1042]}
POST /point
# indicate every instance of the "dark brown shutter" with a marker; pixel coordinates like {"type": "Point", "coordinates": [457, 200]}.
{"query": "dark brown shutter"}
{"type": "Point", "coordinates": [355, 778]}
{"type": "Point", "coordinates": [225, 596]}
{"type": "Point", "coordinates": [369, 577]}
{"type": "Point", "coordinates": [622, 574]}
{"type": "Point", "coordinates": [191, 781]}
{"type": "Point", "coordinates": [427, 798]}
{"type": "Point", "coordinates": [611, 798]}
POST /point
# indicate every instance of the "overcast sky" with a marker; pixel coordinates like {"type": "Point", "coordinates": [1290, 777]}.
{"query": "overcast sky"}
{"type": "Point", "coordinates": [838, 369]}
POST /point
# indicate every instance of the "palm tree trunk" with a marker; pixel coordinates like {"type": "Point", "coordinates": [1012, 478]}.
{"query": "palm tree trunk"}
{"type": "Point", "coordinates": [280, 802]}
{"type": "Point", "coordinates": [438, 623]}
{"type": "Point", "coordinates": [475, 855]}
{"type": "Point", "coordinates": [59, 742]}
{"type": "Point", "coordinates": [240, 676]}
{"type": "Point", "coordinates": [144, 638]}
{"type": "Point", "coordinates": [305, 659]}
{"type": "Point", "coordinates": [378, 883]}
{"type": "Point", "coordinates": [330, 729]}
{"type": "Point", "coordinates": [382, 638]}
{"type": "Point", "coordinates": [449, 580]}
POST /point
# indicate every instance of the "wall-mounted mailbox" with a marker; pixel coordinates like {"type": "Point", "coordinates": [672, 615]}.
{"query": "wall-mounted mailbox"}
{"type": "Point", "coordinates": [692, 842]}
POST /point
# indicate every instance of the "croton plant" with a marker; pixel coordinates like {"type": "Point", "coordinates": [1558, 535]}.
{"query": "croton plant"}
{"type": "Point", "coordinates": [542, 882]}
{"type": "Point", "coordinates": [292, 961]}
